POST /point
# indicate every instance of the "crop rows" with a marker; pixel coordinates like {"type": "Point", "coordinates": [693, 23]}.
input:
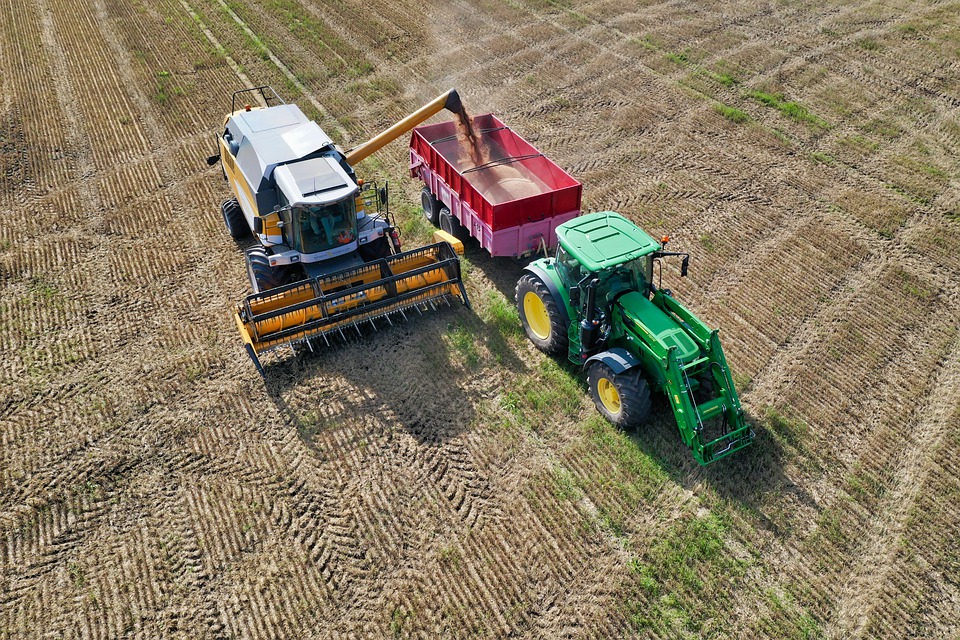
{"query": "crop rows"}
{"type": "Point", "coordinates": [441, 477]}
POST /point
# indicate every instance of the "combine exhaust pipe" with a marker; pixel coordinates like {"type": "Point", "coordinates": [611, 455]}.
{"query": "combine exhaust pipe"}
{"type": "Point", "coordinates": [314, 308]}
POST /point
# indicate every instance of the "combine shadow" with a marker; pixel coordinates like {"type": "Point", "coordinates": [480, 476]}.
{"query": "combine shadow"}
{"type": "Point", "coordinates": [406, 376]}
{"type": "Point", "coordinates": [744, 478]}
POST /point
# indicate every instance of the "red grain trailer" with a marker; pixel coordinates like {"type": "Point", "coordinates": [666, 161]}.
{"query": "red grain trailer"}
{"type": "Point", "coordinates": [501, 191]}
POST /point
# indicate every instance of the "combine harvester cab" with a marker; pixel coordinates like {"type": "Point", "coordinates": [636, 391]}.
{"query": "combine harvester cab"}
{"type": "Point", "coordinates": [596, 303]}
{"type": "Point", "coordinates": [498, 189]}
{"type": "Point", "coordinates": [328, 257]}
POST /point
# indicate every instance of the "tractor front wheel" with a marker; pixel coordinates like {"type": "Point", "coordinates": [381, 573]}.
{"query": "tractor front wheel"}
{"type": "Point", "coordinates": [540, 316]}
{"type": "Point", "coordinates": [431, 207]}
{"type": "Point", "coordinates": [233, 218]}
{"type": "Point", "coordinates": [622, 398]}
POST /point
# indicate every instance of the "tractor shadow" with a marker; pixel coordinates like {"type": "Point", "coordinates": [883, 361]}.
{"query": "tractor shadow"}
{"type": "Point", "coordinates": [747, 478]}
{"type": "Point", "coordinates": [421, 375]}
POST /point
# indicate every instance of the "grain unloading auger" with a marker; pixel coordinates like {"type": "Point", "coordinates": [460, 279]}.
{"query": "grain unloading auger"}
{"type": "Point", "coordinates": [328, 257]}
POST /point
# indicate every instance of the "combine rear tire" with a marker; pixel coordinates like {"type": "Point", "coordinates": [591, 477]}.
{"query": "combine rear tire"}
{"type": "Point", "coordinates": [262, 275]}
{"type": "Point", "coordinates": [431, 206]}
{"type": "Point", "coordinates": [233, 218]}
{"type": "Point", "coordinates": [622, 398]}
{"type": "Point", "coordinates": [450, 224]}
{"type": "Point", "coordinates": [540, 316]}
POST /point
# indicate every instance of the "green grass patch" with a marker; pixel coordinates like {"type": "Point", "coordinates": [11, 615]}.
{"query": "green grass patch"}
{"type": "Point", "coordinates": [731, 113]}
{"type": "Point", "coordinates": [678, 58]}
{"type": "Point", "coordinates": [725, 79]}
{"type": "Point", "coordinates": [821, 158]}
{"type": "Point", "coordinates": [707, 242]}
{"type": "Point", "coordinates": [683, 580]}
{"type": "Point", "coordinates": [464, 345]}
{"type": "Point", "coordinates": [868, 44]}
{"type": "Point", "coordinates": [793, 110]}
{"type": "Point", "coordinates": [791, 432]}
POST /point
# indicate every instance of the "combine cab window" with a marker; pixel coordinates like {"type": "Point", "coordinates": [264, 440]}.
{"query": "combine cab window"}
{"type": "Point", "coordinates": [325, 227]}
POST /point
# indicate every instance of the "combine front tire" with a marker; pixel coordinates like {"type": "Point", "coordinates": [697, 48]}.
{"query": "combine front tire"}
{"type": "Point", "coordinates": [233, 218]}
{"type": "Point", "coordinates": [262, 275]}
{"type": "Point", "coordinates": [431, 206]}
{"type": "Point", "coordinates": [540, 316]}
{"type": "Point", "coordinates": [622, 398]}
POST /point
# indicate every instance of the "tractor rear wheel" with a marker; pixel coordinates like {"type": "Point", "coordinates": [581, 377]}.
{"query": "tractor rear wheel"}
{"type": "Point", "coordinates": [431, 206]}
{"type": "Point", "coordinates": [233, 218]}
{"type": "Point", "coordinates": [450, 224]}
{"type": "Point", "coordinates": [622, 398]}
{"type": "Point", "coordinates": [262, 275]}
{"type": "Point", "coordinates": [540, 315]}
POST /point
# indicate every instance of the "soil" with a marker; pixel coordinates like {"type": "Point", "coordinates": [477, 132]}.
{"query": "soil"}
{"type": "Point", "coordinates": [440, 477]}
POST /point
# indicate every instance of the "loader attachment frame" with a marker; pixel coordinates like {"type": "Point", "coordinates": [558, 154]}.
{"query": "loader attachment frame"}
{"type": "Point", "coordinates": [317, 307]}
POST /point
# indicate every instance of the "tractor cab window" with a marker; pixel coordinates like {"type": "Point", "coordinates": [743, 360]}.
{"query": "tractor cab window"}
{"type": "Point", "coordinates": [630, 276]}
{"type": "Point", "coordinates": [571, 271]}
{"type": "Point", "coordinates": [325, 227]}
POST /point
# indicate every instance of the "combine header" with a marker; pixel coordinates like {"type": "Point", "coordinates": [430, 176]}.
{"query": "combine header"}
{"type": "Point", "coordinates": [328, 257]}
{"type": "Point", "coordinates": [342, 301]}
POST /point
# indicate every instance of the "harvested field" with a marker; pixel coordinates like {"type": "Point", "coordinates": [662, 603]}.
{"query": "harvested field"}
{"type": "Point", "coordinates": [442, 478]}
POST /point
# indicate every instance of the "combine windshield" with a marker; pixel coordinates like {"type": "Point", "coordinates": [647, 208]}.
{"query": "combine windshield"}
{"type": "Point", "coordinates": [325, 227]}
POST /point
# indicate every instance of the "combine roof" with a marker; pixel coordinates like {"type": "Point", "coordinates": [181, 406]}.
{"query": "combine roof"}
{"type": "Point", "coordinates": [272, 136]}
{"type": "Point", "coordinates": [604, 239]}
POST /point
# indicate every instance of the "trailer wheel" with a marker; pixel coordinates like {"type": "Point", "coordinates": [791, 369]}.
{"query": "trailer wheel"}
{"type": "Point", "coordinates": [233, 218]}
{"type": "Point", "coordinates": [450, 224]}
{"type": "Point", "coordinates": [540, 316]}
{"type": "Point", "coordinates": [262, 275]}
{"type": "Point", "coordinates": [431, 206]}
{"type": "Point", "coordinates": [622, 398]}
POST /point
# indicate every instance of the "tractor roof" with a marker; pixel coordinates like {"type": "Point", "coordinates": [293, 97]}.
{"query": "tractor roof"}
{"type": "Point", "coordinates": [604, 239]}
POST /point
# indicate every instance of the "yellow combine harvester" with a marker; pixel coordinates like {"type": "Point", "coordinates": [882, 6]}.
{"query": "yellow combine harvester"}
{"type": "Point", "coordinates": [328, 257]}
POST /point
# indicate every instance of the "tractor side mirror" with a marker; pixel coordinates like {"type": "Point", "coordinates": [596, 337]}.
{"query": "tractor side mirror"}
{"type": "Point", "coordinates": [257, 225]}
{"type": "Point", "coordinates": [383, 195]}
{"type": "Point", "coordinates": [575, 296]}
{"type": "Point", "coordinates": [684, 266]}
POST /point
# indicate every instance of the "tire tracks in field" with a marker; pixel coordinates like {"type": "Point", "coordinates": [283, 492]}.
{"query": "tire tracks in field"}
{"type": "Point", "coordinates": [862, 591]}
{"type": "Point", "coordinates": [212, 39]}
{"type": "Point", "coordinates": [283, 68]}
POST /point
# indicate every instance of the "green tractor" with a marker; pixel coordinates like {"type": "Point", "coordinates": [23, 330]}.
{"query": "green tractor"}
{"type": "Point", "coordinates": [596, 301]}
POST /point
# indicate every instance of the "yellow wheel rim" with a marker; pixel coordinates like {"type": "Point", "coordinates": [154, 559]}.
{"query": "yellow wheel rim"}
{"type": "Point", "coordinates": [609, 395]}
{"type": "Point", "coordinates": [536, 314]}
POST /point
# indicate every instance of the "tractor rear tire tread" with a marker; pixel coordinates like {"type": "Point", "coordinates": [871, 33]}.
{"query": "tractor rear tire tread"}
{"type": "Point", "coordinates": [556, 343]}
{"type": "Point", "coordinates": [234, 220]}
{"type": "Point", "coordinates": [634, 395]}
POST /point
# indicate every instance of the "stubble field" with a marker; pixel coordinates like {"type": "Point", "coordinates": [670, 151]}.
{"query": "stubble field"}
{"type": "Point", "coordinates": [442, 478]}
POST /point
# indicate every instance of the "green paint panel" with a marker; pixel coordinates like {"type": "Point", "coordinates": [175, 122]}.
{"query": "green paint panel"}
{"type": "Point", "coordinates": [604, 239]}
{"type": "Point", "coordinates": [661, 326]}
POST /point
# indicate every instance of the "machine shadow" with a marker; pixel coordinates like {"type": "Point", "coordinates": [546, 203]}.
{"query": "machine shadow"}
{"type": "Point", "coordinates": [502, 273]}
{"type": "Point", "coordinates": [744, 478]}
{"type": "Point", "coordinates": [417, 375]}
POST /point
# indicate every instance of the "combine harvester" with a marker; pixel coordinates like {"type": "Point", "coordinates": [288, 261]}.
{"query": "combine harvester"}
{"type": "Point", "coordinates": [324, 264]}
